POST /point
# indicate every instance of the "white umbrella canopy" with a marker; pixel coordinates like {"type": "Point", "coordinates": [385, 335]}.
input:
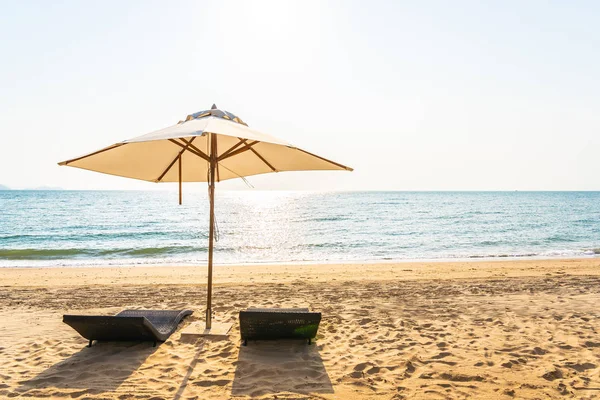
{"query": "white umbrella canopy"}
{"type": "Point", "coordinates": [241, 152]}
{"type": "Point", "coordinates": [208, 146]}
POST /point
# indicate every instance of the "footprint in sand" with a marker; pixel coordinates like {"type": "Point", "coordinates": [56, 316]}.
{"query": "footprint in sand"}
{"type": "Point", "coordinates": [410, 369]}
{"type": "Point", "coordinates": [461, 377]}
{"type": "Point", "coordinates": [441, 355]}
{"type": "Point", "coordinates": [553, 375]}
{"type": "Point", "coordinates": [591, 344]}
{"type": "Point", "coordinates": [218, 382]}
{"type": "Point", "coordinates": [361, 366]}
{"type": "Point", "coordinates": [580, 367]}
{"type": "Point", "coordinates": [373, 370]}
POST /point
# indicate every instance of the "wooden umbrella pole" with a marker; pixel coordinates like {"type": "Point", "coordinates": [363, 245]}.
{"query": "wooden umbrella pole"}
{"type": "Point", "coordinates": [180, 179]}
{"type": "Point", "coordinates": [213, 159]}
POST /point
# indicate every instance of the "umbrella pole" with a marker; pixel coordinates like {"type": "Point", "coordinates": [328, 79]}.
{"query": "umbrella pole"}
{"type": "Point", "coordinates": [179, 179]}
{"type": "Point", "coordinates": [211, 190]}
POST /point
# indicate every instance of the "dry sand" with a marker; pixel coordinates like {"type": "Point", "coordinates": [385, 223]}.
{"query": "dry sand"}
{"type": "Point", "coordinates": [521, 329]}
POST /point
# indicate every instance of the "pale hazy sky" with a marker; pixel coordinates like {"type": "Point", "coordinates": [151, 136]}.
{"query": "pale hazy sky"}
{"type": "Point", "coordinates": [415, 95]}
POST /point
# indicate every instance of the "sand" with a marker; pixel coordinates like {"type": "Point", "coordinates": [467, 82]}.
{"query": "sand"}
{"type": "Point", "coordinates": [522, 329]}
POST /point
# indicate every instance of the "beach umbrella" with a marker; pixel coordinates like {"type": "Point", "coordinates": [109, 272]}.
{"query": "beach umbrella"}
{"type": "Point", "coordinates": [208, 146]}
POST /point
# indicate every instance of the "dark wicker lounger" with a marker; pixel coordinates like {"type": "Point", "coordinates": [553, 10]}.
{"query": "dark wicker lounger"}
{"type": "Point", "coordinates": [278, 323]}
{"type": "Point", "coordinates": [128, 325]}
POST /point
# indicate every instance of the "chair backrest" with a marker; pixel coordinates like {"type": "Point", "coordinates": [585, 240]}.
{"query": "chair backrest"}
{"type": "Point", "coordinates": [257, 324]}
{"type": "Point", "coordinates": [111, 327]}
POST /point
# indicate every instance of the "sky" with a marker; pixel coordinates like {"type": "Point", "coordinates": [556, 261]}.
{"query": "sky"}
{"type": "Point", "coordinates": [427, 95]}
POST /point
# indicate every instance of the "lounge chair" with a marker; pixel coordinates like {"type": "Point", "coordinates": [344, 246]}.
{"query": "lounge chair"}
{"type": "Point", "coordinates": [278, 323]}
{"type": "Point", "coordinates": [128, 325]}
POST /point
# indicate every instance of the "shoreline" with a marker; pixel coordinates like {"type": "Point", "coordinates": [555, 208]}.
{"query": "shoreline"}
{"type": "Point", "coordinates": [117, 263]}
{"type": "Point", "coordinates": [268, 273]}
{"type": "Point", "coordinates": [476, 258]}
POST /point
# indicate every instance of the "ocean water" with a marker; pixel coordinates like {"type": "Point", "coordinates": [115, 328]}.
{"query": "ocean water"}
{"type": "Point", "coordinates": [49, 228]}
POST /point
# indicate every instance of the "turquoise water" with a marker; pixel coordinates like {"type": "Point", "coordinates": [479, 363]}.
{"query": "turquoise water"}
{"type": "Point", "coordinates": [46, 228]}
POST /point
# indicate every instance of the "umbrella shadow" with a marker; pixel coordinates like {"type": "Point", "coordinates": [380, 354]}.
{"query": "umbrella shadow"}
{"type": "Point", "coordinates": [273, 367]}
{"type": "Point", "coordinates": [190, 369]}
{"type": "Point", "coordinates": [101, 368]}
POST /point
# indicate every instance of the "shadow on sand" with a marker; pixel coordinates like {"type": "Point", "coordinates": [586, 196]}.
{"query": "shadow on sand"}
{"type": "Point", "coordinates": [184, 382]}
{"type": "Point", "coordinates": [101, 368]}
{"type": "Point", "coordinates": [273, 367]}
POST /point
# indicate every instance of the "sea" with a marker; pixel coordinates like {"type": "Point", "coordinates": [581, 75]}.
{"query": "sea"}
{"type": "Point", "coordinates": [90, 228]}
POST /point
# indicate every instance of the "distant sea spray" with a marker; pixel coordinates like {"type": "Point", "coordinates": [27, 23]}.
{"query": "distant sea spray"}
{"type": "Point", "coordinates": [47, 228]}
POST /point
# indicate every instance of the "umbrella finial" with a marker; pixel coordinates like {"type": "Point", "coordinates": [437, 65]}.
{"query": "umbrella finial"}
{"type": "Point", "coordinates": [214, 107]}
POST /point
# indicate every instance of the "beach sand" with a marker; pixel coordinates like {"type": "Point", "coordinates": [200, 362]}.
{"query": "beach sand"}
{"type": "Point", "coordinates": [522, 329]}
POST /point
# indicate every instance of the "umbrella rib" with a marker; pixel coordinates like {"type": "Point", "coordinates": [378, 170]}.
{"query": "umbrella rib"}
{"type": "Point", "coordinates": [201, 155]}
{"type": "Point", "coordinates": [114, 146]}
{"type": "Point", "coordinates": [324, 159]}
{"type": "Point", "coordinates": [194, 147]}
{"type": "Point", "coordinates": [263, 160]}
{"type": "Point", "coordinates": [232, 148]}
{"type": "Point", "coordinates": [175, 160]}
{"type": "Point", "coordinates": [247, 146]}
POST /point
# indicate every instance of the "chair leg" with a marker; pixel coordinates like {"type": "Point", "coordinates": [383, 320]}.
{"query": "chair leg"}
{"type": "Point", "coordinates": [245, 343]}
{"type": "Point", "coordinates": [154, 345]}
{"type": "Point", "coordinates": [90, 343]}
{"type": "Point", "coordinates": [309, 341]}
